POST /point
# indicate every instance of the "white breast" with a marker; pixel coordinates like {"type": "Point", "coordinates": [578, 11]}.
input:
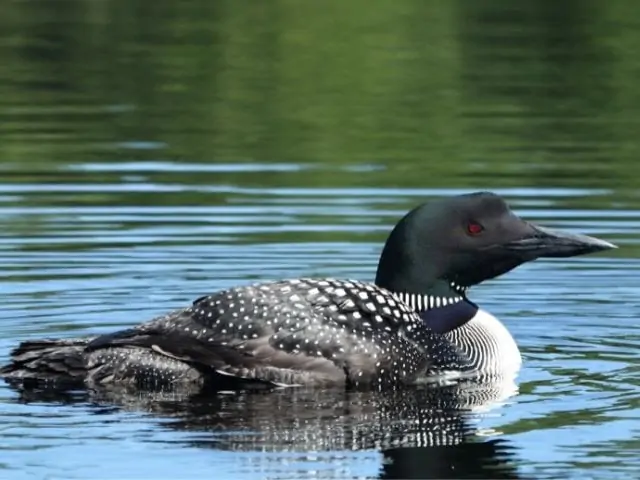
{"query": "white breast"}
{"type": "Point", "coordinates": [488, 343]}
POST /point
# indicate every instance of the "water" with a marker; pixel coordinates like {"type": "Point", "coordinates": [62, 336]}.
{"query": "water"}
{"type": "Point", "coordinates": [153, 154]}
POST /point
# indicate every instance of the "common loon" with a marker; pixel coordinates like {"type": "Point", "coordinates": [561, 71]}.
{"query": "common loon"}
{"type": "Point", "coordinates": [413, 323]}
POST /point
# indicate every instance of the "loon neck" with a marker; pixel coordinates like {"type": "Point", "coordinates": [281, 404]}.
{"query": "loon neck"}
{"type": "Point", "coordinates": [421, 303]}
{"type": "Point", "coordinates": [437, 294]}
{"type": "Point", "coordinates": [443, 308]}
{"type": "Point", "coordinates": [479, 335]}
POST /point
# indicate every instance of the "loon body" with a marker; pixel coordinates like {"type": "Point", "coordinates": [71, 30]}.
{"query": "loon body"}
{"type": "Point", "coordinates": [414, 322]}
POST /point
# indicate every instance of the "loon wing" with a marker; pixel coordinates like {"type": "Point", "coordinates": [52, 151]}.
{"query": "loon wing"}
{"type": "Point", "coordinates": [296, 332]}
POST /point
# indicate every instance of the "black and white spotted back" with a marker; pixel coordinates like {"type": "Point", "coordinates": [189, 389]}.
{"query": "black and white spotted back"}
{"type": "Point", "coordinates": [299, 332]}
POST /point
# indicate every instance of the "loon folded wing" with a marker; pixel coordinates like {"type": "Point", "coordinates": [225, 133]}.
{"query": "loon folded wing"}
{"type": "Point", "coordinates": [296, 332]}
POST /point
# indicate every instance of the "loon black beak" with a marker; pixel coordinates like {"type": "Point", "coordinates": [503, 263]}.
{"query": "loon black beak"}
{"type": "Point", "coordinates": [543, 242]}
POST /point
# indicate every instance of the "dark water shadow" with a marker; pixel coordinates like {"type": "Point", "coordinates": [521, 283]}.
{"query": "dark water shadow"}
{"type": "Point", "coordinates": [430, 432]}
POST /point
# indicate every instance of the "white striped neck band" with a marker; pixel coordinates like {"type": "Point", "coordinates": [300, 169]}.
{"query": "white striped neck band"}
{"type": "Point", "coordinates": [420, 303]}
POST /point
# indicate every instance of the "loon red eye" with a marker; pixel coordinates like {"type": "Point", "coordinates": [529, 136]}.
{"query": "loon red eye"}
{"type": "Point", "coordinates": [474, 228]}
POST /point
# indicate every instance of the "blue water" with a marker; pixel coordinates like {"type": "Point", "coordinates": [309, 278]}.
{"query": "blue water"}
{"type": "Point", "coordinates": [95, 269]}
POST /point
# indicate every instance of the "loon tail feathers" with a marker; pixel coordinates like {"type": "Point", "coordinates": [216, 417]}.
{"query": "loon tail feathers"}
{"type": "Point", "coordinates": [50, 360]}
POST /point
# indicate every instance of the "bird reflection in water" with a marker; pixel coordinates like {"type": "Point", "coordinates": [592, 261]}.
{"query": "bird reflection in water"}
{"type": "Point", "coordinates": [427, 432]}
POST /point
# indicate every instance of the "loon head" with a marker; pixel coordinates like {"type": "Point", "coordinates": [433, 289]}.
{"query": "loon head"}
{"type": "Point", "coordinates": [450, 244]}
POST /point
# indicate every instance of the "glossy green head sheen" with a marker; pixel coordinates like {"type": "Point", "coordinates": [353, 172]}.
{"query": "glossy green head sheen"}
{"type": "Point", "coordinates": [467, 239]}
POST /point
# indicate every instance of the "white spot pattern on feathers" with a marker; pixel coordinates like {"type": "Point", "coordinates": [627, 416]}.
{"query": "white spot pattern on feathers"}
{"type": "Point", "coordinates": [334, 319]}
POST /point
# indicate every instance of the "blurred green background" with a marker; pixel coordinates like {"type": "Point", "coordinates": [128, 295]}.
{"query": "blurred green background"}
{"type": "Point", "coordinates": [419, 93]}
